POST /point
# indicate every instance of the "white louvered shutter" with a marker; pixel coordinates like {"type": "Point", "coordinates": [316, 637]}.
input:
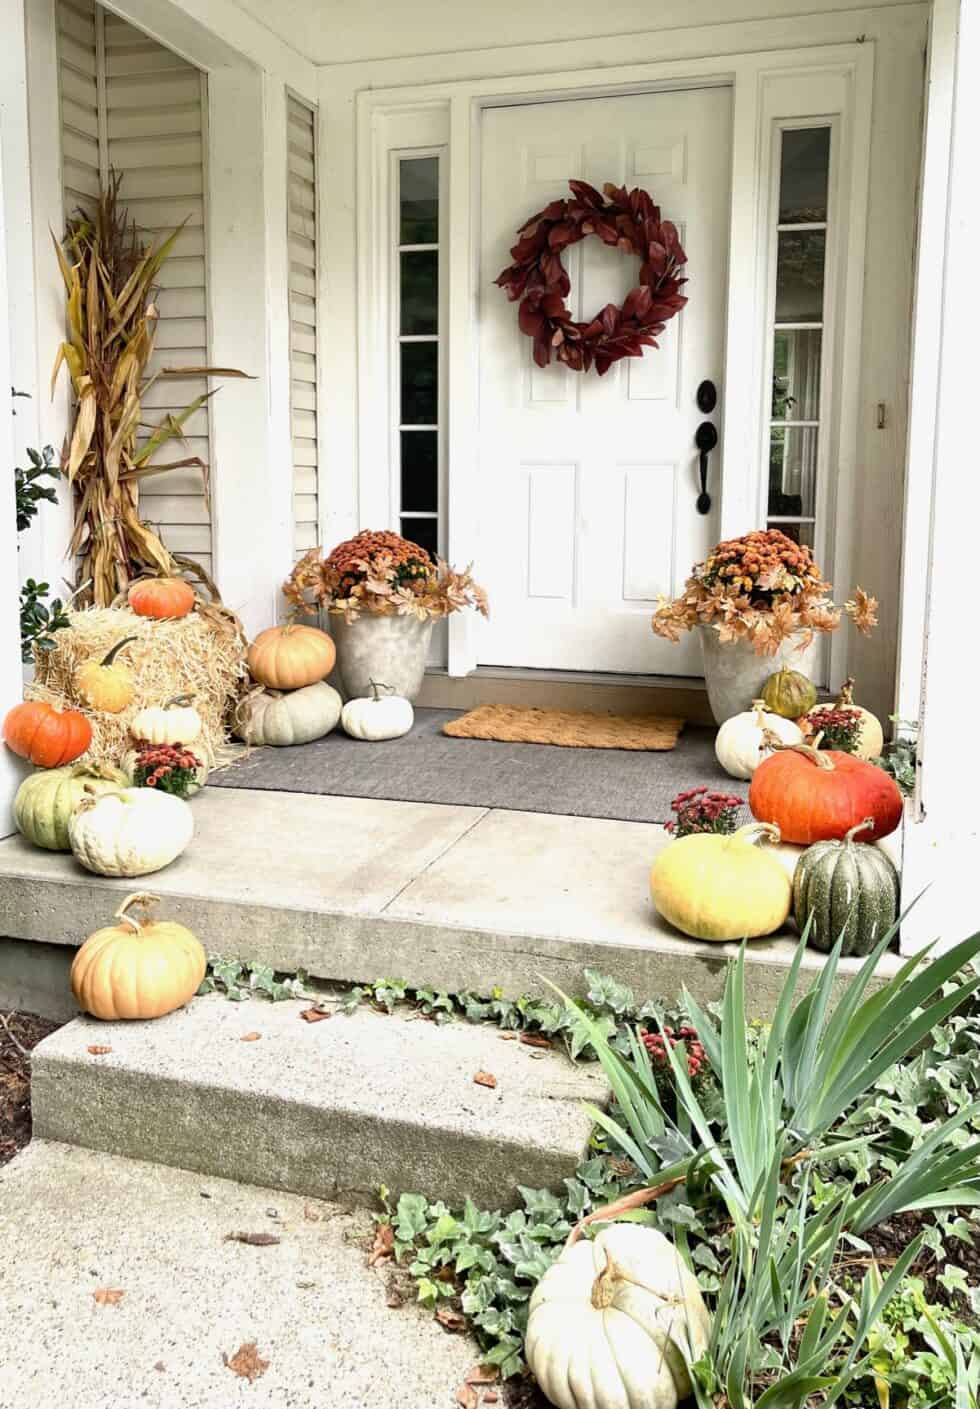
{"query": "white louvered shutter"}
{"type": "Point", "coordinates": [149, 122]}
{"type": "Point", "coordinates": [301, 224]}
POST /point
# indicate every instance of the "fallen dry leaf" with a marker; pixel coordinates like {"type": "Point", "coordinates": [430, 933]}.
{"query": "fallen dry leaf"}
{"type": "Point", "coordinates": [160, 1366]}
{"type": "Point", "coordinates": [254, 1240]}
{"type": "Point", "coordinates": [108, 1296]}
{"type": "Point", "coordinates": [449, 1319]}
{"type": "Point", "coordinates": [314, 1015]}
{"type": "Point", "coordinates": [246, 1362]}
{"type": "Point", "coordinates": [535, 1039]}
{"type": "Point", "coordinates": [508, 1037]}
{"type": "Point", "coordinates": [491, 1397]}
{"type": "Point", "coordinates": [483, 1078]}
{"type": "Point", "coordinates": [250, 1037]}
{"type": "Point", "coordinates": [383, 1246]}
{"type": "Point", "coordinates": [310, 1214]}
{"type": "Point", "coordinates": [97, 1051]}
{"type": "Point", "coordinates": [466, 1397]}
{"type": "Point", "coordinates": [482, 1375]}
{"type": "Point", "coordinates": [394, 1296]}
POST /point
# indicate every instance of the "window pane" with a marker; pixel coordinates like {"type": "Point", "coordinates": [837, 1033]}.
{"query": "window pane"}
{"type": "Point", "coordinates": [419, 201]}
{"type": "Point", "coordinates": [799, 276]}
{"type": "Point", "coordinates": [796, 375]}
{"type": "Point", "coordinates": [420, 383]}
{"type": "Point", "coordinates": [420, 470]}
{"type": "Point", "coordinates": [803, 175]}
{"type": "Point", "coordinates": [420, 291]}
{"type": "Point", "coordinates": [801, 533]}
{"type": "Point", "coordinates": [793, 470]}
{"type": "Point", "coordinates": [424, 532]}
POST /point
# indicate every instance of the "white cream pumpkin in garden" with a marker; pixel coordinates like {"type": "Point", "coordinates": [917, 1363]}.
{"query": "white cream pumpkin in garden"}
{"type": "Point", "coordinates": [379, 716]}
{"type": "Point", "coordinates": [135, 969]}
{"type": "Point", "coordinates": [745, 740]}
{"type": "Point", "coordinates": [713, 886]}
{"type": "Point", "coordinates": [615, 1322]}
{"type": "Point", "coordinates": [130, 832]}
{"type": "Point", "coordinates": [294, 717]}
{"type": "Point", "coordinates": [175, 722]}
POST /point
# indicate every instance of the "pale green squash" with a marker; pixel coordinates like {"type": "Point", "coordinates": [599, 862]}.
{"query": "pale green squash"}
{"type": "Point", "coordinates": [46, 800]}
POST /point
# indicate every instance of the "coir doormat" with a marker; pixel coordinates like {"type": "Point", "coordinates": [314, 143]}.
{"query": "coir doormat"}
{"type": "Point", "coordinates": [574, 729]}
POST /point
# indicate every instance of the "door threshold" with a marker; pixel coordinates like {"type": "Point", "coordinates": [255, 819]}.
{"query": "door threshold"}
{"type": "Point", "coordinates": [599, 691]}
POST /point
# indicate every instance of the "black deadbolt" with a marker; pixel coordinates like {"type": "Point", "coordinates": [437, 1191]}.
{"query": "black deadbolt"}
{"type": "Point", "coordinates": [707, 398]}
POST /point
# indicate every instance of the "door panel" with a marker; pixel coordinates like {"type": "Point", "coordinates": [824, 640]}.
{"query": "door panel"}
{"type": "Point", "coordinates": [588, 484]}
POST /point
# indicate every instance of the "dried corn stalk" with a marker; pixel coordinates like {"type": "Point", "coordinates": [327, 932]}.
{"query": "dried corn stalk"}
{"type": "Point", "coordinates": [110, 280]}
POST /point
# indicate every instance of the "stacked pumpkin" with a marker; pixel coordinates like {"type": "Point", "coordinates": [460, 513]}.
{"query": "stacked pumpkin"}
{"type": "Point", "coordinates": [725, 887]}
{"type": "Point", "coordinates": [295, 705]}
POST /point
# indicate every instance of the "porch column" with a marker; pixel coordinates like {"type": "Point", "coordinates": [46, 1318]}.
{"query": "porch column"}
{"type": "Point", "coordinates": [940, 587]}
{"type": "Point", "coordinates": [247, 263]}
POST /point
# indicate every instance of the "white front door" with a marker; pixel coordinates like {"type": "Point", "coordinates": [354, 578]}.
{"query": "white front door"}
{"type": "Point", "coordinates": [588, 485]}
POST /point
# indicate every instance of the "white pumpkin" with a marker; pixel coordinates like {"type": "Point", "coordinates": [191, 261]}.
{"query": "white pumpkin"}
{"type": "Point", "coordinates": [741, 744]}
{"type": "Point", "coordinates": [871, 736]}
{"type": "Point", "coordinates": [291, 717]}
{"type": "Point", "coordinates": [615, 1322]}
{"type": "Point", "coordinates": [130, 832]}
{"type": "Point", "coordinates": [175, 722]}
{"type": "Point", "coordinates": [379, 716]}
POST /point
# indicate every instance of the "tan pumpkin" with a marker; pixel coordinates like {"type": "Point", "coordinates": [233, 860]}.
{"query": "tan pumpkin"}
{"type": "Point", "coordinates": [105, 685]}
{"type": "Point", "coordinates": [871, 736]}
{"type": "Point", "coordinates": [176, 721]}
{"type": "Point", "coordinates": [291, 656]}
{"type": "Point", "coordinates": [135, 970]}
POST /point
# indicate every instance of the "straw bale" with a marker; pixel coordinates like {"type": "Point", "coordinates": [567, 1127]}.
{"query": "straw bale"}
{"type": "Point", "coordinates": [202, 654]}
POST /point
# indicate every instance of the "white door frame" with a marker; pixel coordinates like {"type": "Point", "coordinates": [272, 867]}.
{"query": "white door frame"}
{"type": "Point", "coordinates": [763, 86]}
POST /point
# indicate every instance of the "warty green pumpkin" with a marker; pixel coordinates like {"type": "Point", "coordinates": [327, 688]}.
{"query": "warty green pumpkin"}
{"type": "Point", "coordinates": [845, 888]}
{"type": "Point", "coordinates": [45, 800]}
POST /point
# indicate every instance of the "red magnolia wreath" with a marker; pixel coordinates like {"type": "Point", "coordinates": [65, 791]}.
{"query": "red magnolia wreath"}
{"type": "Point", "coordinates": [631, 222]}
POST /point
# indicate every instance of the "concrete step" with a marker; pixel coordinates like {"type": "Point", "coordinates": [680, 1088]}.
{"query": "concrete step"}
{"type": "Point", "coordinates": [74, 1222]}
{"type": "Point", "coordinates": [355, 889]}
{"type": "Point", "coordinates": [332, 1109]}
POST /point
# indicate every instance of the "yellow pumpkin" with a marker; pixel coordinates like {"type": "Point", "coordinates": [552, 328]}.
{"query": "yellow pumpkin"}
{"type": "Point", "coordinates": [134, 970]}
{"type": "Point", "coordinates": [722, 887]}
{"type": "Point", "coordinates": [103, 685]}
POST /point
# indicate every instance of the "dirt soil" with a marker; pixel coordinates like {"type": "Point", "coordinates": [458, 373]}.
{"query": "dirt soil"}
{"type": "Point", "coordinates": [19, 1033]}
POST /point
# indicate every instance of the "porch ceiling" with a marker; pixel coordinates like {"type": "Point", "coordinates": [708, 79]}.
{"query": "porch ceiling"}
{"type": "Point", "coordinates": [344, 31]}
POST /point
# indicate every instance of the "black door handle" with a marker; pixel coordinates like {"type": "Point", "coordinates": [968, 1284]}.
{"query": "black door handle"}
{"type": "Point", "coordinates": [705, 438]}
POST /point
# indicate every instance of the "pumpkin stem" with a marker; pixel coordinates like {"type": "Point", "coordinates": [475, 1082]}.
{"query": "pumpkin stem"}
{"type": "Point", "coordinates": [861, 827]}
{"type": "Point", "coordinates": [376, 686]}
{"type": "Point", "coordinates": [846, 696]}
{"type": "Point", "coordinates": [604, 1286]}
{"type": "Point", "coordinates": [811, 751]}
{"type": "Point", "coordinates": [143, 900]}
{"type": "Point", "coordinates": [111, 655]}
{"type": "Point", "coordinates": [178, 701]}
{"type": "Point", "coordinates": [758, 831]}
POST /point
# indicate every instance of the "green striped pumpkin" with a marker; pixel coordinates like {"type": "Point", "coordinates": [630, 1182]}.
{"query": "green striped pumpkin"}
{"type": "Point", "coordinates": [845, 887]}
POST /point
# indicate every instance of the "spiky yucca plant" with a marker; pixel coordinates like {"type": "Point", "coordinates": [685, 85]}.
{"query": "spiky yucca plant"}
{"type": "Point", "coordinates": [110, 279]}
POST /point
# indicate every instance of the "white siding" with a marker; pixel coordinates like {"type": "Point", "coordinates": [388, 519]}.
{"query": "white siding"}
{"type": "Point", "coordinates": [131, 104]}
{"type": "Point", "coordinates": [301, 226]}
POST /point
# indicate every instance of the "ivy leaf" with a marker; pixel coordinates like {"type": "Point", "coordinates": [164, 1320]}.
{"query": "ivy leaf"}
{"type": "Point", "coordinates": [410, 1216]}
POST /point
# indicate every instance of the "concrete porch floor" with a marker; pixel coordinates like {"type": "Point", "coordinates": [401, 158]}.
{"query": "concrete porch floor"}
{"type": "Point", "coordinates": [353, 889]}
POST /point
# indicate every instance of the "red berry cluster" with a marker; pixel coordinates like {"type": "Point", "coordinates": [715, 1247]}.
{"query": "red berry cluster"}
{"type": "Point", "coordinates": [696, 1056]}
{"type": "Point", "coordinates": [699, 810]}
{"type": "Point", "coordinates": [171, 767]}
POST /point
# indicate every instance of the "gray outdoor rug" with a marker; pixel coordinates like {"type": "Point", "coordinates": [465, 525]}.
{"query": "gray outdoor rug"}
{"type": "Point", "coordinates": [427, 766]}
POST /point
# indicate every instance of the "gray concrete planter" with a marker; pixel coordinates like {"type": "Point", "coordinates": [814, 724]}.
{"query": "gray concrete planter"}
{"type": "Point", "coordinates": [734, 675]}
{"type": "Point", "coordinates": [390, 650]}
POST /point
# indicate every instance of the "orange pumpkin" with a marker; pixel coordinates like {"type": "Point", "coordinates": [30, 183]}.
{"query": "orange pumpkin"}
{"type": "Point", "coordinates": [291, 656]}
{"type": "Point", "coordinates": [161, 597]}
{"type": "Point", "coordinates": [814, 794]}
{"type": "Point", "coordinates": [49, 737]}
